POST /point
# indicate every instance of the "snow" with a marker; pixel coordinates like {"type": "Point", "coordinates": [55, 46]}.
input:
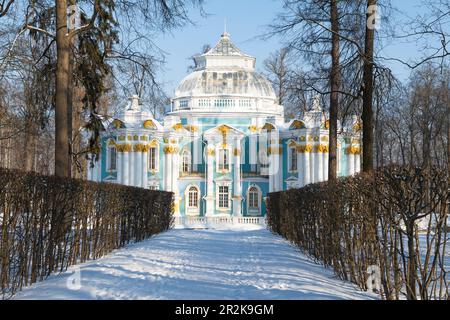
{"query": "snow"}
{"type": "Point", "coordinates": [238, 263]}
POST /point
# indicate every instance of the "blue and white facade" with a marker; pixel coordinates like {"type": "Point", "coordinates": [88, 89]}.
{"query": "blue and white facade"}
{"type": "Point", "coordinates": [224, 144]}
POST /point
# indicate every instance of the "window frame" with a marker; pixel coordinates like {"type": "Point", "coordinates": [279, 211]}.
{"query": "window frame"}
{"type": "Point", "coordinates": [228, 196]}
{"type": "Point", "coordinates": [109, 159]}
{"type": "Point", "coordinates": [292, 155]}
{"type": "Point", "coordinates": [186, 153]}
{"type": "Point", "coordinates": [156, 158]}
{"type": "Point", "coordinates": [192, 210]}
{"type": "Point", "coordinates": [227, 151]}
{"type": "Point", "coordinates": [254, 210]}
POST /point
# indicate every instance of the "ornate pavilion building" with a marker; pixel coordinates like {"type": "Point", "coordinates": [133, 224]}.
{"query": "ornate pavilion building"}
{"type": "Point", "coordinates": [224, 143]}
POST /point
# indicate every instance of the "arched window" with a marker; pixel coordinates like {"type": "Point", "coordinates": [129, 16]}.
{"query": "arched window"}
{"type": "Point", "coordinates": [186, 165]}
{"type": "Point", "coordinates": [253, 198]}
{"type": "Point", "coordinates": [112, 158]}
{"type": "Point", "coordinates": [193, 197]}
{"type": "Point", "coordinates": [224, 159]}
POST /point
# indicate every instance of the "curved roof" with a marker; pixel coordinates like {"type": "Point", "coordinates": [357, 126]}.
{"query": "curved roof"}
{"type": "Point", "coordinates": [225, 70]}
{"type": "Point", "coordinates": [225, 82]}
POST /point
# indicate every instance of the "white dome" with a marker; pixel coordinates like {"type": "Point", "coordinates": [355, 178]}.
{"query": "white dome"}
{"type": "Point", "coordinates": [225, 82]}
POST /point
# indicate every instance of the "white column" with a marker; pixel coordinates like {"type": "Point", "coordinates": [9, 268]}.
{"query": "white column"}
{"type": "Point", "coordinates": [273, 168]}
{"type": "Point", "coordinates": [318, 167]}
{"type": "Point", "coordinates": [175, 176]}
{"type": "Point", "coordinates": [138, 168]}
{"type": "Point", "coordinates": [351, 164]}
{"type": "Point", "coordinates": [325, 165]}
{"type": "Point", "coordinates": [131, 166]}
{"type": "Point", "coordinates": [119, 167]}
{"type": "Point", "coordinates": [144, 179]}
{"type": "Point", "coordinates": [126, 168]}
{"type": "Point", "coordinates": [357, 162]}
{"type": "Point", "coordinates": [279, 165]}
{"type": "Point", "coordinates": [167, 171]}
{"type": "Point", "coordinates": [307, 168]}
{"type": "Point", "coordinates": [300, 167]}
{"type": "Point", "coordinates": [237, 181]}
{"type": "Point", "coordinates": [312, 166]}
{"type": "Point", "coordinates": [210, 181]}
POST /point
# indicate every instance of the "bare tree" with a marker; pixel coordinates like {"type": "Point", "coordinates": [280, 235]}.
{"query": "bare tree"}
{"type": "Point", "coordinates": [367, 111]}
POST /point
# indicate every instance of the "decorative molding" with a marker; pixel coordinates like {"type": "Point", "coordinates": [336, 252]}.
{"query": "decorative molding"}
{"type": "Point", "coordinates": [125, 147]}
{"type": "Point", "coordinates": [177, 126]}
{"type": "Point", "coordinates": [211, 152]}
{"type": "Point", "coordinates": [268, 127]}
{"type": "Point", "coordinates": [141, 147]}
{"type": "Point", "coordinates": [153, 143]}
{"type": "Point", "coordinates": [191, 128]}
{"type": "Point", "coordinates": [304, 148]}
{"type": "Point", "coordinates": [223, 129]}
{"type": "Point", "coordinates": [149, 124]}
{"type": "Point", "coordinates": [297, 124]}
{"type": "Point", "coordinates": [353, 150]}
{"type": "Point", "coordinates": [118, 124]}
{"type": "Point", "coordinates": [170, 149]}
{"type": "Point", "coordinates": [236, 152]}
{"type": "Point", "coordinates": [321, 148]}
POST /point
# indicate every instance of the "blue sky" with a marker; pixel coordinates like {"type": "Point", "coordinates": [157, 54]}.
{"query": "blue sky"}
{"type": "Point", "coordinates": [246, 20]}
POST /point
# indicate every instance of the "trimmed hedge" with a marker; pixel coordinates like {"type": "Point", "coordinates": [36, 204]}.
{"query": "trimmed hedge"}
{"type": "Point", "coordinates": [49, 223]}
{"type": "Point", "coordinates": [373, 220]}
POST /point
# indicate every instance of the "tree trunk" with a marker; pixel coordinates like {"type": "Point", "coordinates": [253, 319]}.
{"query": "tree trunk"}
{"type": "Point", "coordinates": [70, 112]}
{"type": "Point", "coordinates": [62, 87]}
{"type": "Point", "coordinates": [411, 285]}
{"type": "Point", "coordinates": [367, 113]}
{"type": "Point", "coordinates": [334, 96]}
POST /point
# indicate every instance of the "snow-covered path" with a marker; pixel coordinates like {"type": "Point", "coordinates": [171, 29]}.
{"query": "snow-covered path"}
{"type": "Point", "coordinates": [200, 264]}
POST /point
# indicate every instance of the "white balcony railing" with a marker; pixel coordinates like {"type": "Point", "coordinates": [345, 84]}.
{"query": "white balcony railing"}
{"type": "Point", "coordinates": [205, 222]}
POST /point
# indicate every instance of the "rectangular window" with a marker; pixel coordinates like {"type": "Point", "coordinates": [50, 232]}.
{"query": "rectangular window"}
{"type": "Point", "coordinates": [184, 104]}
{"type": "Point", "coordinates": [152, 158]}
{"type": "Point", "coordinates": [186, 165]}
{"type": "Point", "coordinates": [224, 155]}
{"type": "Point", "coordinates": [112, 157]}
{"type": "Point", "coordinates": [223, 196]}
{"type": "Point", "coordinates": [293, 159]}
